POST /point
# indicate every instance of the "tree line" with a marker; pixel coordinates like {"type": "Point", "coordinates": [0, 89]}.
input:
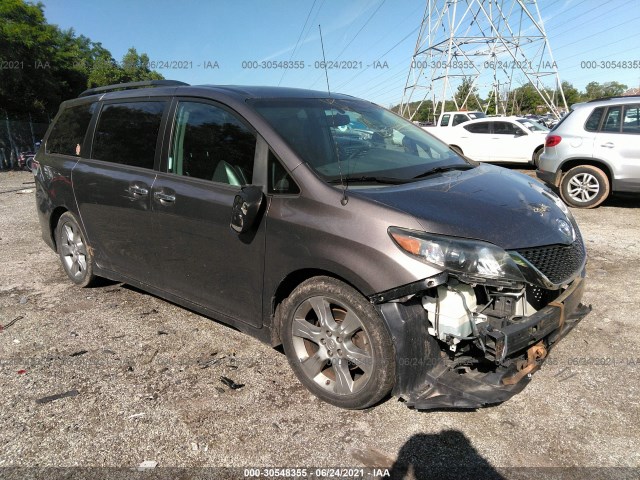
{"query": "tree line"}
{"type": "Point", "coordinates": [519, 101]}
{"type": "Point", "coordinates": [42, 65]}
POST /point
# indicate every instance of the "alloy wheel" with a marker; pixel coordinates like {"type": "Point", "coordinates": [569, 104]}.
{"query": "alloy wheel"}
{"type": "Point", "coordinates": [332, 346]}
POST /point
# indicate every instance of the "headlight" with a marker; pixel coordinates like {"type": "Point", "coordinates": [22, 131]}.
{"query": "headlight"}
{"type": "Point", "coordinates": [470, 258]}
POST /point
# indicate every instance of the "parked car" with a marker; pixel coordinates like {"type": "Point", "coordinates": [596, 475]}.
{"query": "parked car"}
{"type": "Point", "coordinates": [379, 268]}
{"type": "Point", "coordinates": [594, 150]}
{"type": "Point", "coordinates": [453, 119]}
{"type": "Point", "coordinates": [25, 160]}
{"type": "Point", "coordinates": [503, 139]}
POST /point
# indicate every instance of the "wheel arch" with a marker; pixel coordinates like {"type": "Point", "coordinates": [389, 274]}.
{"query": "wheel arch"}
{"type": "Point", "coordinates": [594, 162]}
{"type": "Point", "coordinates": [536, 150]}
{"type": "Point", "coordinates": [287, 285]}
{"type": "Point", "coordinates": [53, 223]}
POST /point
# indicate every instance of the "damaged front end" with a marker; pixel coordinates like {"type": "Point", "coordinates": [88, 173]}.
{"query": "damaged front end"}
{"type": "Point", "coordinates": [465, 338]}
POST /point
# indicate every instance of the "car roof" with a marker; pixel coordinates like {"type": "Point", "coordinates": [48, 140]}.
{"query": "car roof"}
{"type": "Point", "coordinates": [598, 102]}
{"type": "Point", "coordinates": [239, 93]}
{"type": "Point", "coordinates": [489, 119]}
{"type": "Point", "coordinates": [243, 91]}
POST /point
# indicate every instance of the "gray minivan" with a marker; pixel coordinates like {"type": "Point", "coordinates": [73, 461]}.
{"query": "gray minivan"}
{"type": "Point", "coordinates": [380, 268]}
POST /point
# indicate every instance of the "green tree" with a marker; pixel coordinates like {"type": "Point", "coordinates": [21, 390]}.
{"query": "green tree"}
{"type": "Point", "coordinates": [135, 68]}
{"type": "Point", "coordinates": [571, 94]}
{"type": "Point", "coordinates": [524, 99]}
{"type": "Point", "coordinates": [49, 65]}
{"type": "Point", "coordinates": [612, 89]}
{"type": "Point", "coordinates": [593, 90]}
{"type": "Point", "coordinates": [466, 96]}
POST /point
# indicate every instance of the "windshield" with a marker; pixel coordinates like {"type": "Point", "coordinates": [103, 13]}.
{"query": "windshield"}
{"type": "Point", "coordinates": [533, 126]}
{"type": "Point", "coordinates": [356, 140]}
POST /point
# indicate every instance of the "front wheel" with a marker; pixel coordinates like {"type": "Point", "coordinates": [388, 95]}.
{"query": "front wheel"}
{"type": "Point", "coordinates": [74, 252]}
{"type": "Point", "coordinates": [337, 344]}
{"type": "Point", "coordinates": [584, 186]}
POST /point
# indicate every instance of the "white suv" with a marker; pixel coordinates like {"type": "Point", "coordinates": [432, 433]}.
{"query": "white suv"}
{"type": "Point", "coordinates": [594, 150]}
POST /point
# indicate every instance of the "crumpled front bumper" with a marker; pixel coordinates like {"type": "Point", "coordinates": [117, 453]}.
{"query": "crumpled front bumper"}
{"type": "Point", "coordinates": [426, 378]}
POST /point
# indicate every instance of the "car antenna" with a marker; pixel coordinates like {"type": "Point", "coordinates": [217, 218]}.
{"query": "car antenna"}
{"type": "Point", "coordinates": [344, 199]}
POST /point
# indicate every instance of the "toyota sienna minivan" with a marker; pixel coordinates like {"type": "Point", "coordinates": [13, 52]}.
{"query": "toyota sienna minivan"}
{"type": "Point", "coordinates": [379, 267]}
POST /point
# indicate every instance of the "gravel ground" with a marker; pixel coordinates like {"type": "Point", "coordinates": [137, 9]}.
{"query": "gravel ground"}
{"type": "Point", "coordinates": [143, 378]}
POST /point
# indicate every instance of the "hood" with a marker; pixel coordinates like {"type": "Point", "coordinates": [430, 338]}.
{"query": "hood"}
{"type": "Point", "coordinates": [489, 203]}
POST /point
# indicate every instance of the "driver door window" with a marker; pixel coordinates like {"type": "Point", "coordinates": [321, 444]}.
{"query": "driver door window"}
{"type": "Point", "coordinates": [211, 144]}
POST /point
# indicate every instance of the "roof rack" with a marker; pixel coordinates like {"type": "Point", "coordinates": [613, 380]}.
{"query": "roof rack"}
{"type": "Point", "coordinates": [611, 98]}
{"type": "Point", "coordinates": [131, 85]}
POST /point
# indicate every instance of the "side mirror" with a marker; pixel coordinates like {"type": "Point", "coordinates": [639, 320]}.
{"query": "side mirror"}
{"type": "Point", "coordinates": [245, 209]}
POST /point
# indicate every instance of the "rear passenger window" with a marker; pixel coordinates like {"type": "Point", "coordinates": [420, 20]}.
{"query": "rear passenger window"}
{"type": "Point", "coordinates": [211, 144]}
{"type": "Point", "coordinates": [482, 127]}
{"type": "Point", "coordinates": [631, 122]}
{"type": "Point", "coordinates": [505, 128]}
{"type": "Point", "coordinates": [593, 122]}
{"type": "Point", "coordinates": [127, 133]}
{"type": "Point", "coordinates": [68, 133]}
{"type": "Point", "coordinates": [612, 120]}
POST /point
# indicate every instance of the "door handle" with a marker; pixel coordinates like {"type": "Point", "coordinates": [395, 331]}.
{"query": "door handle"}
{"type": "Point", "coordinates": [136, 190]}
{"type": "Point", "coordinates": [608, 145]}
{"type": "Point", "coordinates": [164, 197]}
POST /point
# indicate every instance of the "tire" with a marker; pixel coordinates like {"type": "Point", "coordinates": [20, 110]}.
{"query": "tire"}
{"type": "Point", "coordinates": [29, 164]}
{"type": "Point", "coordinates": [325, 319]}
{"type": "Point", "coordinates": [456, 149]}
{"type": "Point", "coordinates": [584, 186]}
{"type": "Point", "coordinates": [74, 252]}
{"type": "Point", "coordinates": [536, 157]}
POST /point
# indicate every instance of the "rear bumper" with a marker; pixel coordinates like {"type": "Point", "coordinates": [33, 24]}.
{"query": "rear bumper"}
{"type": "Point", "coordinates": [426, 378]}
{"type": "Point", "coordinates": [551, 178]}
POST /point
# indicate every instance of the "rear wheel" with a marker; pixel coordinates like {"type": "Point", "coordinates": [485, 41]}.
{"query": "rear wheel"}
{"type": "Point", "coordinates": [337, 344]}
{"type": "Point", "coordinates": [536, 157]}
{"type": "Point", "coordinates": [75, 254]}
{"type": "Point", "coordinates": [584, 186]}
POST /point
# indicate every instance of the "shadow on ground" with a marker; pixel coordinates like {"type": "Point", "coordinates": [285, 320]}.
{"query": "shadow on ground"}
{"type": "Point", "coordinates": [447, 455]}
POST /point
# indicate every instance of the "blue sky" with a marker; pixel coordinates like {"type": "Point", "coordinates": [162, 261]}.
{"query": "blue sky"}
{"type": "Point", "coordinates": [201, 33]}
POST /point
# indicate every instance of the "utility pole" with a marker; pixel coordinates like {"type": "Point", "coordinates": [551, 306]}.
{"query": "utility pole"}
{"type": "Point", "coordinates": [487, 43]}
{"type": "Point", "coordinates": [12, 158]}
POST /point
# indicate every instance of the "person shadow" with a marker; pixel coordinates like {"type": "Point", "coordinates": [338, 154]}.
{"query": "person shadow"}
{"type": "Point", "coordinates": [446, 455]}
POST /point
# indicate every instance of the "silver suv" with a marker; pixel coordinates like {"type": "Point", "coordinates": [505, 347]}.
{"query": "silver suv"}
{"type": "Point", "coordinates": [594, 150]}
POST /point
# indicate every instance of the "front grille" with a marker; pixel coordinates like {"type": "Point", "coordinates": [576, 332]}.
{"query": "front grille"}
{"type": "Point", "coordinates": [557, 262]}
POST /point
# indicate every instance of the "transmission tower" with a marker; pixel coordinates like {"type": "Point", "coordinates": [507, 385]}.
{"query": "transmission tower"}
{"type": "Point", "coordinates": [490, 46]}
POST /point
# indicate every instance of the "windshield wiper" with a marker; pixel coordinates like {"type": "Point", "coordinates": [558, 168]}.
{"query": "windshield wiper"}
{"type": "Point", "coordinates": [445, 168]}
{"type": "Point", "coordinates": [369, 179]}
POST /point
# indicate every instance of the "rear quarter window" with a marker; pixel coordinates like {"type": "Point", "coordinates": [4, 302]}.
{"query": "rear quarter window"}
{"type": "Point", "coordinates": [67, 135]}
{"type": "Point", "coordinates": [127, 133]}
{"type": "Point", "coordinates": [593, 122]}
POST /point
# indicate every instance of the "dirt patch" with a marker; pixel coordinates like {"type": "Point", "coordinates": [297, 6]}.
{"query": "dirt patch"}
{"type": "Point", "coordinates": [147, 375]}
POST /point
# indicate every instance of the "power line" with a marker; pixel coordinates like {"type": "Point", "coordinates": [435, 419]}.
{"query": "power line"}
{"type": "Point", "coordinates": [299, 37]}
{"type": "Point", "coordinates": [381, 56]}
{"type": "Point", "coordinates": [354, 37]}
{"type": "Point", "coordinates": [361, 28]}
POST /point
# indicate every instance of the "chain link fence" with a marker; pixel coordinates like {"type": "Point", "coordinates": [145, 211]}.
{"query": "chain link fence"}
{"type": "Point", "coordinates": [18, 135]}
